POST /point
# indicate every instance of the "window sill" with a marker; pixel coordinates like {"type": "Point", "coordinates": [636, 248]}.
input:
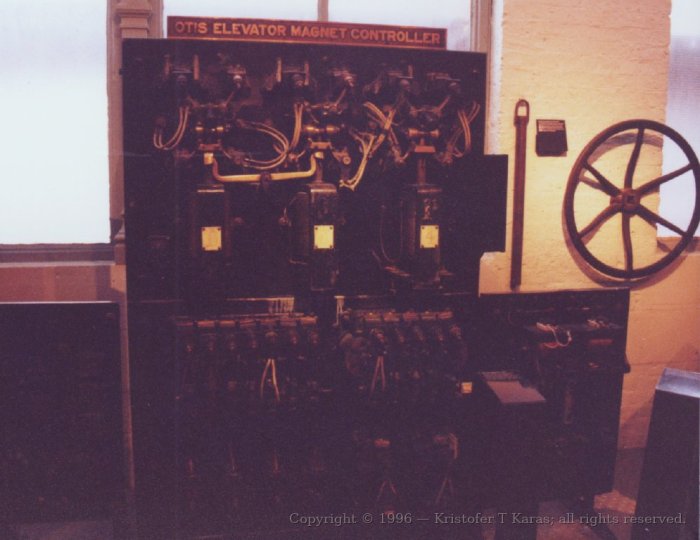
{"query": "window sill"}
{"type": "Point", "coordinates": [667, 243]}
{"type": "Point", "coordinates": [56, 253]}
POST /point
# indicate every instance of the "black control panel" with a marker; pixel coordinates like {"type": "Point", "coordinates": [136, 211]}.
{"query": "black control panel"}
{"type": "Point", "coordinates": [304, 228]}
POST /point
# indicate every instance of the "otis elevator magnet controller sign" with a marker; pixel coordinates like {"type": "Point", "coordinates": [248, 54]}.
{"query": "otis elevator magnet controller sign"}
{"type": "Point", "coordinates": [551, 138]}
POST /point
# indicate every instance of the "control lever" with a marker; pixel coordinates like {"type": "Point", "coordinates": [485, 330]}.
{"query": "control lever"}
{"type": "Point", "coordinates": [439, 338]}
{"type": "Point", "coordinates": [522, 116]}
{"type": "Point", "coordinates": [269, 373]}
{"type": "Point", "coordinates": [380, 343]}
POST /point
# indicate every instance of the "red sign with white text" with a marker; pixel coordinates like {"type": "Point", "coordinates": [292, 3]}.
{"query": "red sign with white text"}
{"type": "Point", "coordinates": [306, 32]}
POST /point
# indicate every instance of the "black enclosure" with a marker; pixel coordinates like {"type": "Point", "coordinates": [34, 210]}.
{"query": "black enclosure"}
{"type": "Point", "coordinates": [304, 228]}
{"type": "Point", "coordinates": [60, 412]}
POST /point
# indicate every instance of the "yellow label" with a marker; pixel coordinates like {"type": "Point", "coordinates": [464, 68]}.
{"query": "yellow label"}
{"type": "Point", "coordinates": [211, 238]}
{"type": "Point", "coordinates": [429, 236]}
{"type": "Point", "coordinates": [324, 237]}
{"type": "Point", "coordinates": [466, 387]}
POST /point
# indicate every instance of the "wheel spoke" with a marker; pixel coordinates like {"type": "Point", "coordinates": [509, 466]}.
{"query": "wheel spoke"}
{"type": "Point", "coordinates": [654, 184]}
{"type": "Point", "coordinates": [606, 185]}
{"type": "Point", "coordinates": [597, 221]}
{"type": "Point", "coordinates": [627, 239]}
{"type": "Point", "coordinates": [655, 219]}
{"type": "Point", "coordinates": [634, 158]}
{"type": "Point", "coordinates": [590, 182]}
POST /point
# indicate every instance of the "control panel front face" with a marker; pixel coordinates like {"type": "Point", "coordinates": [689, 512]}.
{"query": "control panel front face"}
{"type": "Point", "coordinates": [256, 169]}
{"type": "Point", "coordinates": [304, 225]}
{"type": "Point", "coordinates": [304, 228]}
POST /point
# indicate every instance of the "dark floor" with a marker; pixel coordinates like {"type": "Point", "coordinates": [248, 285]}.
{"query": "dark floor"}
{"type": "Point", "coordinates": [611, 509]}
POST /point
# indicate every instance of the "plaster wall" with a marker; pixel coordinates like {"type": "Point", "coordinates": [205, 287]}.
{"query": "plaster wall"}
{"type": "Point", "coordinates": [592, 64]}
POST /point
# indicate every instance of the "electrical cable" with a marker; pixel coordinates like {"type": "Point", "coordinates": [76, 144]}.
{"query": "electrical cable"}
{"type": "Point", "coordinates": [365, 146]}
{"type": "Point", "coordinates": [386, 123]}
{"type": "Point", "coordinates": [176, 139]}
{"type": "Point", "coordinates": [382, 247]}
{"type": "Point", "coordinates": [281, 139]}
{"type": "Point", "coordinates": [271, 367]}
{"type": "Point", "coordinates": [553, 329]}
{"type": "Point", "coordinates": [379, 374]}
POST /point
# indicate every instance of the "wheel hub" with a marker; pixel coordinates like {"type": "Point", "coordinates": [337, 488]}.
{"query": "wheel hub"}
{"type": "Point", "coordinates": [628, 200]}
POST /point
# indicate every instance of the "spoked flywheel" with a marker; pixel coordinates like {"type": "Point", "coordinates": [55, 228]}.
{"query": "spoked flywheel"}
{"type": "Point", "coordinates": [601, 188]}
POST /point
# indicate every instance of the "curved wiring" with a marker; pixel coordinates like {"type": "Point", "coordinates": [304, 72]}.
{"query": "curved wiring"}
{"type": "Point", "coordinates": [331, 105]}
{"type": "Point", "coordinates": [385, 123]}
{"type": "Point", "coordinates": [365, 148]}
{"type": "Point", "coordinates": [176, 139]}
{"type": "Point", "coordinates": [298, 114]}
{"type": "Point", "coordinates": [382, 244]}
{"type": "Point", "coordinates": [463, 131]}
{"type": "Point", "coordinates": [282, 146]}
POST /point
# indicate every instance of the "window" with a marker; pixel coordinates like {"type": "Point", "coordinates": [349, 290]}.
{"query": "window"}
{"type": "Point", "coordinates": [53, 102]}
{"type": "Point", "coordinates": [451, 14]}
{"type": "Point", "coordinates": [682, 111]}
{"type": "Point", "coordinates": [299, 10]}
